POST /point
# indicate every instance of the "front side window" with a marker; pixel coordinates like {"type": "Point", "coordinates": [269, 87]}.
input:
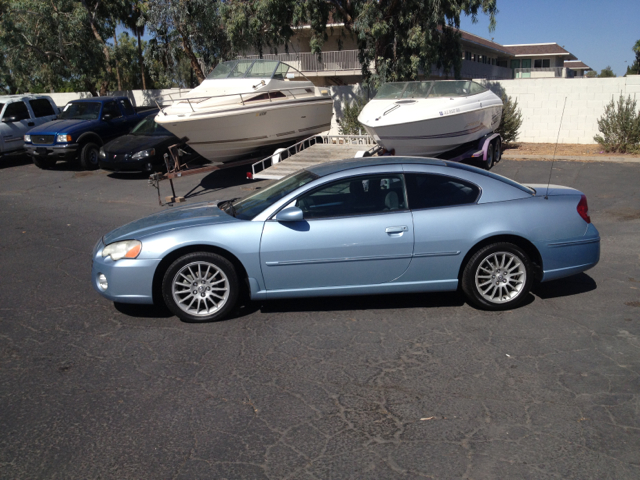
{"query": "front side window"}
{"type": "Point", "coordinates": [126, 106]}
{"type": "Point", "coordinates": [432, 191]}
{"type": "Point", "coordinates": [41, 107]}
{"type": "Point", "coordinates": [355, 196]}
{"type": "Point", "coordinates": [17, 110]}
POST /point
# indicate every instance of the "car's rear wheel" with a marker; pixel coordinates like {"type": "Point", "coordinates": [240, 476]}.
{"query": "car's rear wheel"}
{"type": "Point", "coordinates": [200, 287]}
{"type": "Point", "coordinates": [44, 163]}
{"type": "Point", "coordinates": [490, 156]}
{"type": "Point", "coordinates": [89, 156]}
{"type": "Point", "coordinates": [498, 277]}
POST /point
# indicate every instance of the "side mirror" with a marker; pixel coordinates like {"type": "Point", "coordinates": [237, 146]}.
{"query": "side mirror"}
{"type": "Point", "coordinates": [291, 214]}
{"type": "Point", "coordinates": [10, 119]}
{"type": "Point", "coordinates": [106, 117]}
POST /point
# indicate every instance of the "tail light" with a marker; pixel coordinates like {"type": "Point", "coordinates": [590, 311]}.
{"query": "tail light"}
{"type": "Point", "coordinates": [583, 209]}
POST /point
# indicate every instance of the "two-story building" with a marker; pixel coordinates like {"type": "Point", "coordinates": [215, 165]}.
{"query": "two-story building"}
{"type": "Point", "coordinates": [338, 63]}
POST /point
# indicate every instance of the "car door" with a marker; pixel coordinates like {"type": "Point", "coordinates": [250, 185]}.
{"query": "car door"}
{"type": "Point", "coordinates": [112, 115]}
{"type": "Point", "coordinates": [16, 121]}
{"type": "Point", "coordinates": [356, 231]}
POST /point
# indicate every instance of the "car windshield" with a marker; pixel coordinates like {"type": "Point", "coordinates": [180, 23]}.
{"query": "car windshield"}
{"type": "Point", "coordinates": [81, 111]}
{"type": "Point", "coordinates": [250, 206]}
{"type": "Point", "coordinates": [148, 127]}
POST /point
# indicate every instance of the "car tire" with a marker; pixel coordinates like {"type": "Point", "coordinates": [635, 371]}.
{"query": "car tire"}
{"type": "Point", "coordinates": [488, 164]}
{"type": "Point", "coordinates": [89, 156]}
{"type": "Point", "coordinates": [212, 287]}
{"type": "Point", "coordinates": [44, 163]}
{"type": "Point", "coordinates": [498, 277]}
{"type": "Point", "coordinates": [497, 154]}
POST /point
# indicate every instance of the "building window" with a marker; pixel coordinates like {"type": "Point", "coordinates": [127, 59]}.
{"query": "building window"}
{"type": "Point", "coordinates": [467, 55]}
{"type": "Point", "coordinates": [545, 63]}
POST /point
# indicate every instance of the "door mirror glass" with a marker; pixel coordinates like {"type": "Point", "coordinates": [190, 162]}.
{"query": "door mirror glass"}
{"type": "Point", "coordinates": [291, 214]}
{"type": "Point", "coordinates": [106, 117]}
{"type": "Point", "coordinates": [10, 119]}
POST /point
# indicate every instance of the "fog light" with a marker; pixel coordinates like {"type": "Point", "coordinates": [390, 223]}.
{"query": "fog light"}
{"type": "Point", "coordinates": [102, 281]}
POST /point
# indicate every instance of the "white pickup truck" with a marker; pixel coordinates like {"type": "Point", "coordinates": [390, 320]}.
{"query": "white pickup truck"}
{"type": "Point", "coordinates": [19, 114]}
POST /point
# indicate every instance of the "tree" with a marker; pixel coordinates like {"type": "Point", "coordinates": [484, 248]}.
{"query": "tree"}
{"type": "Point", "coordinates": [397, 40]}
{"type": "Point", "coordinates": [634, 69]}
{"type": "Point", "coordinates": [606, 72]}
{"type": "Point", "coordinates": [194, 27]}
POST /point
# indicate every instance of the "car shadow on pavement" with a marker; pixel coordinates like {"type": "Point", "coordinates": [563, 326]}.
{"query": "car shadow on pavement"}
{"type": "Point", "coordinates": [143, 311]}
{"type": "Point", "coordinates": [565, 287]}
{"type": "Point", "coordinates": [15, 160]}
{"type": "Point", "coordinates": [365, 302]}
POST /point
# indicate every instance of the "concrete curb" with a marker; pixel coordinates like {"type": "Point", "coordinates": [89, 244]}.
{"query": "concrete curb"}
{"type": "Point", "coordinates": [571, 158]}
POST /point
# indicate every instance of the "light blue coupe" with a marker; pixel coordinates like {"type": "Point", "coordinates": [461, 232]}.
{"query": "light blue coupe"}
{"type": "Point", "coordinates": [366, 226]}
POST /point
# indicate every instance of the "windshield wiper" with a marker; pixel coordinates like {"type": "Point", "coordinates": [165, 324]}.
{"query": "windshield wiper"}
{"type": "Point", "coordinates": [228, 207]}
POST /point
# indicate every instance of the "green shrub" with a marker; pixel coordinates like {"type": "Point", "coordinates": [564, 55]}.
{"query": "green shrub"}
{"type": "Point", "coordinates": [511, 120]}
{"type": "Point", "coordinates": [349, 124]}
{"type": "Point", "coordinates": [620, 126]}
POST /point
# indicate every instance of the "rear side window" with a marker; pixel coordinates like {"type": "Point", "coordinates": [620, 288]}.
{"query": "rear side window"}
{"type": "Point", "coordinates": [41, 107]}
{"type": "Point", "coordinates": [126, 106]}
{"type": "Point", "coordinates": [431, 191]}
{"type": "Point", "coordinates": [112, 109]}
{"type": "Point", "coordinates": [18, 110]}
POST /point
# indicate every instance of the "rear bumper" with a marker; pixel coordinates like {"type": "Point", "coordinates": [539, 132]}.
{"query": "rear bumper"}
{"type": "Point", "coordinates": [569, 257]}
{"type": "Point", "coordinates": [59, 152]}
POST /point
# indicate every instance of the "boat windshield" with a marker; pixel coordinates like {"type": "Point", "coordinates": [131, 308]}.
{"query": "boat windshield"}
{"type": "Point", "coordinates": [429, 89]}
{"type": "Point", "coordinates": [250, 206]}
{"type": "Point", "coordinates": [254, 69]}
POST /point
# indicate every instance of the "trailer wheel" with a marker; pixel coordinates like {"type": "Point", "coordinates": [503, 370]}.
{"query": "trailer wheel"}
{"type": "Point", "coordinates": [490, 156]}
{"type": "Point", "coordinates": [498, 151]}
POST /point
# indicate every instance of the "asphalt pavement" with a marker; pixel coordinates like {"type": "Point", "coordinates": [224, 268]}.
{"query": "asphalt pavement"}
{"type": "Point", "coordinates": [398, 386]}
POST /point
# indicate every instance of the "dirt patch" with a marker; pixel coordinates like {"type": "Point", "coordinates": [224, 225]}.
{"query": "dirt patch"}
{"type": "Point", "coordinates": [82, 174]}
{"type": "Point", "coordinates": [572, 149]}
{"type": "Point", "coordinates": [626, 214]}
{"type": "Point", "coordinates": [632, 304]}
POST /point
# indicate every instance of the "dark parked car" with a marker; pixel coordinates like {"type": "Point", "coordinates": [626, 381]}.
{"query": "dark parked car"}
{"type": "Point", "coordinates": [142, 150]}
{"type": "Point", "coordinates": [82, 127]}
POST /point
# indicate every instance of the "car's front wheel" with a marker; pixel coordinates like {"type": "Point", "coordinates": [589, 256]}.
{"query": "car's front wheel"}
{"type": "Point", "coordinates": [200, 287]}
{"type": "Point", "coordinates": [89, 156]}
{"type": "Point", "coordinates": [498, 277]}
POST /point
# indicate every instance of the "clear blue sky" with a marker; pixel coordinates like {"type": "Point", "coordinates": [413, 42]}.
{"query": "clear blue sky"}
{"type": "Point", "coordinates": [599, 33]}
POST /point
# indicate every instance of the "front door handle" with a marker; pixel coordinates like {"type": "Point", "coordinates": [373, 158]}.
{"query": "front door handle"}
{"type": "Point", "coordinates": [399, 229]}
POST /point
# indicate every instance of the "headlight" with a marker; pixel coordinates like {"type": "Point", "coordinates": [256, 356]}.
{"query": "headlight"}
{"type": "Point", "coordinates": [102, 153]}
{"type": "Point", "coordinates": [126, 249]}
{"type": "Point", "coordinates": [27, 138]}
{"type": "Point", "coordinates": [63, 138]}
{"type": "Point", "coordinates": [144, 154]}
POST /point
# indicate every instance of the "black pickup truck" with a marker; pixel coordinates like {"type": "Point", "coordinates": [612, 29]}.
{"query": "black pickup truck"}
{"type": "Point", "coordinates": [83, 126]}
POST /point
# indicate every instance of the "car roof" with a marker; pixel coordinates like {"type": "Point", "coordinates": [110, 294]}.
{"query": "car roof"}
{"type": "Point", "coordinates": [93, 99]}
{"type": "Point", "coordinates": [332, 167]}
{"type": "Point", "coordinates": [324, 169]}
{"type": "Point", "coordinates": [5, 98]}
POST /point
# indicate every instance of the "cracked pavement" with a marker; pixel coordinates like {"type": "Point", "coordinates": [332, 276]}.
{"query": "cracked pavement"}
{"type": "Point", "coordinates": [401, 386]}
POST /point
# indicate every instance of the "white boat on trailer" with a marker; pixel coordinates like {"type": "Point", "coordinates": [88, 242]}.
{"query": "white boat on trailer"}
{"type": "Point", "coordinates": [429, 118]}
{"type": "Point", "coordinates": [247, 105]}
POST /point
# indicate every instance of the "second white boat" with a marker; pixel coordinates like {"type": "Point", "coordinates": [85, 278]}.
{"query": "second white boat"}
{"type": "Point", "coordinates": [429, 118]}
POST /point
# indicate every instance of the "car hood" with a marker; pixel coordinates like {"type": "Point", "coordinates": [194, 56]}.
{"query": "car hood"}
{"type": "Point", "coordinates": [62, 126]}
{"type": "Point", "coordinates": [136, 143]}
{"type": "Point", "coordinates": [199, 214]}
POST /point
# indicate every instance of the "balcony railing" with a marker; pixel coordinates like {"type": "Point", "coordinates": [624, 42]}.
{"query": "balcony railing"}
{"type": "Point", "coordinates": [309, 62]}
{"type": "Point", "coordinates": [547, 72]}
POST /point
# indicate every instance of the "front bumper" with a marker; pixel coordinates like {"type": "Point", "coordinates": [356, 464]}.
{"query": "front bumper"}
{"type": "Point", "coordinates": [122, 163]}
{"type": "Point", "coordinates": [129, 281]}
{"type": "Point", "coordinates": [67, 151]}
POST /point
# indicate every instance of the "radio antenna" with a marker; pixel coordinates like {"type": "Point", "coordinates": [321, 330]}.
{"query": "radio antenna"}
{"type": "Point", "coordinates": [546, 195]}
